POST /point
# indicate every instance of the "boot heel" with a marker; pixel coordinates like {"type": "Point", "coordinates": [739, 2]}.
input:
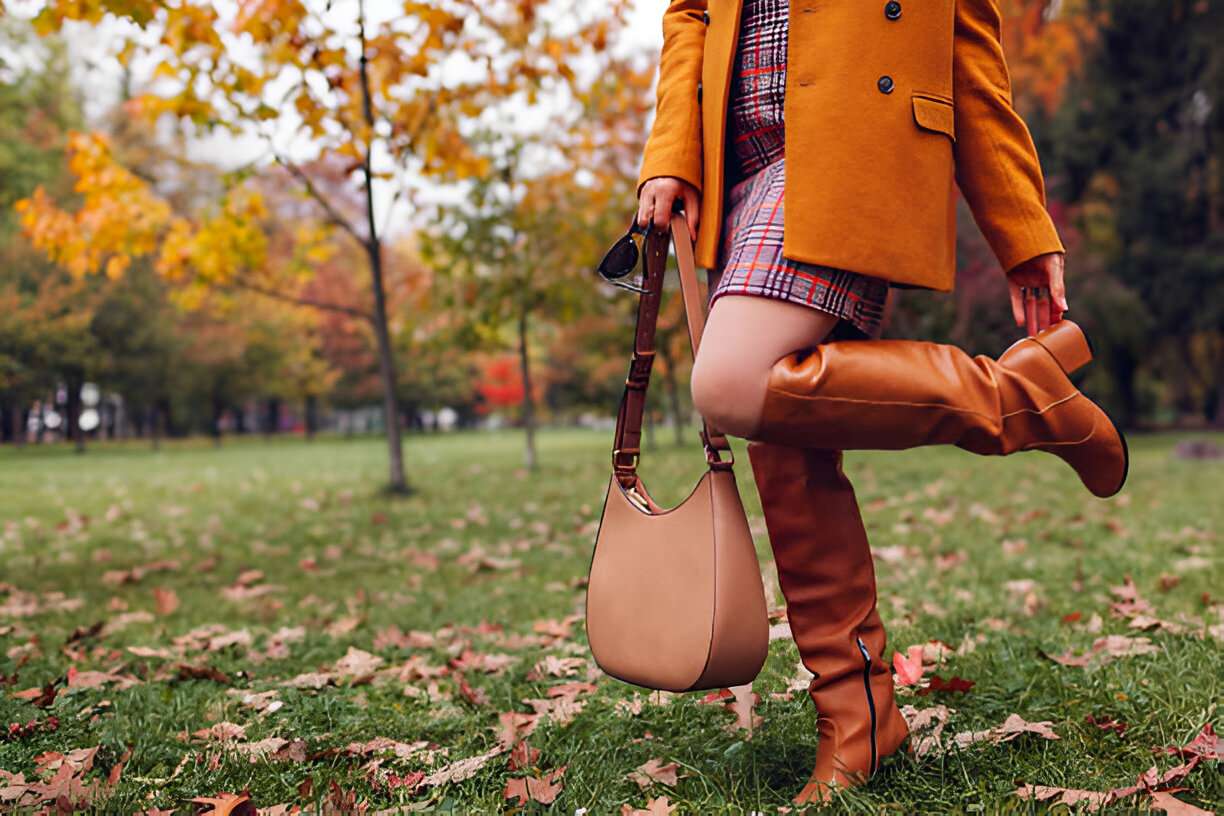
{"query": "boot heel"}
{"type": "Point", "coordinates": [1067, 343]}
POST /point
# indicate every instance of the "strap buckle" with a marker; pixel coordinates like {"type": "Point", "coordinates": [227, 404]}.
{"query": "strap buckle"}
{"type": "Point", "coordinates": [629, 468]}
{"type": "Point", "coordinates": [716, 462]}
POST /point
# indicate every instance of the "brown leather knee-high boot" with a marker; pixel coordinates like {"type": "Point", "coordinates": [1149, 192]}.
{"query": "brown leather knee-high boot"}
{"type": "Point", "coordinates": [893, 394]}
{"type": "Point", "coordinates": [826, 572]}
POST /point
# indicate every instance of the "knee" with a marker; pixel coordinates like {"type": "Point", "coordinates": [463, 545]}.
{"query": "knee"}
{"type": "Point", "coordinates": [727, 396]}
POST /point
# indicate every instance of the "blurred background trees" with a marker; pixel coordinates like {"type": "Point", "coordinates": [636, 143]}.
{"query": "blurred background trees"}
{"type": "Point", "coordinates": [416, 240]}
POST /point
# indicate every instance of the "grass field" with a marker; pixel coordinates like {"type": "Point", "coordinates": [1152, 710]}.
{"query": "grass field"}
{"type": "Point", "coordinates": [262, 618]}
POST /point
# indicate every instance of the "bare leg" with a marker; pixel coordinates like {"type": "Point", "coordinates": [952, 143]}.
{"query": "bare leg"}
{"type": "Point", "coordinates": [744, 336]}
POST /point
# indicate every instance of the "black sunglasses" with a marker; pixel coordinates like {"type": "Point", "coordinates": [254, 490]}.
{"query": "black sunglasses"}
{"type": "Point", "coordinates": [620, 260]}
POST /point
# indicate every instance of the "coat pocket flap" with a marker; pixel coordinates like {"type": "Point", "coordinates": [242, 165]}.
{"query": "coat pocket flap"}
{"type": "Point", "coordinates": [935, 114]}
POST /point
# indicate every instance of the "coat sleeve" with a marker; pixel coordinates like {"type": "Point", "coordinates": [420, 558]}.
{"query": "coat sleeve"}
{"type": "Point", "coordinates": [996, 162]}
{"type": "Point", "coordinates": [674, 145]}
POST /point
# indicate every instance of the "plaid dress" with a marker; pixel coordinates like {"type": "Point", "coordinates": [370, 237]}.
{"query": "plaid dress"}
{"type": "Point", "coordinates": [750, 258]}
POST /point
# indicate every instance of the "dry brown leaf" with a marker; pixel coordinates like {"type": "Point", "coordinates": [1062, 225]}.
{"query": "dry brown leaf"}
{"type": "Point", "coordinates": [461, 769]}
{"type": "Point", "coordinates": [1176, 807]}
{"type": "Point", "coordinates": [1012, 727]}
{"type": "Point", "coordinates": [165, 600]}
{"type": "Point", "coordinates": [357, 664]}
{"type": "Point", "coordinates": [1107, 648]}
{"type": "Point", "coordinates": [927, 724]}
{"type": "Point", "coordinates": [652, 771]}
{"type": "Point", "coordinates": [240, 637]}
{"type": "Point", "coordinates": [309, 680]}
{"type": "Point", "coordinates": [543, 789]}
{"type": "Point", "coordinates": [1092, 800]}
{"type": "Point", "coordinates": [264, 702]}
{"type": "Point", "coordinates": [382, 745]}
{"type": "Point", "coordinates": [221, 732]}
{"type": "Point", "coordinates": [513, 726]}
{"type": "Point", "coordinates": [654, 807]}
{"type": "Point", "coordinates": [522, 756]}
{"type": "Point", "coordinates": [225, 804]}
{"type": "Point", "coordinates": [1206, 744]}
{"type": "Point", "coordinates": [97, 679]}
{"type": "Point", "coordinates": [555, 666]}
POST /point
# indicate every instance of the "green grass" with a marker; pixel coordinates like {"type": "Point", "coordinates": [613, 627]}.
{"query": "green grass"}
{"type": "Point", "coordinates": [346, 562]}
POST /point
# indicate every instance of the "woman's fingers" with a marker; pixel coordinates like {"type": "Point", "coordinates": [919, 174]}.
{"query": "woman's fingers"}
{"type": "Point", "coordinates": [646, 207]}
{"type": "Point", "coordinates": [1017, 303]}
{"type": "Point", "coordinates": [1058, 290]}
{"type": "Point", "coordinates": [663, 208]}
{"type": "Point", "coordinates": [691, 213]}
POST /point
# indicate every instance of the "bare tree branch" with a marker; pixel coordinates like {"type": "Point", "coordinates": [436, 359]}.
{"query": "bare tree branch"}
{"type": "Point", "coordinates": [332, 213]}
{"type": "Point", "coordinates": [298, 300]}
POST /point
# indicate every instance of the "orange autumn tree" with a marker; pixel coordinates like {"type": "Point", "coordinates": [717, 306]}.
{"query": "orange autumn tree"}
{"type": "Point", "coordinates": [1046, 42]}
{"type": "Point", "coordinates": [390, 98]}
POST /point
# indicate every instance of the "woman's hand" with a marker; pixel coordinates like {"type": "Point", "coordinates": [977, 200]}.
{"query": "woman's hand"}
{"type": "Point", "coordinates": [1046, 272]}
{"type": "Point", "coordinates": [659, 195]}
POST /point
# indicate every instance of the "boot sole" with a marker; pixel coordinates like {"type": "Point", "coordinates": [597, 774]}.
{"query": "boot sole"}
{"type": "Point", "coordinates": [1125, 456]}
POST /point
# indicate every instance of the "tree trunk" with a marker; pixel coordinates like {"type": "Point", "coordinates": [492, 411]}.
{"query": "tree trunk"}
{"type": "Point", "coordinates": [386, 370]}
{"type": "Point", "coordinates": [386, 363]}
{"type": "Point", "coordinates": [218, 407]}
{"type": "Point", "coordinates": [272, 417]}
{"type": "Point", "coordinates": [529, 420]}
{"type": "Point", "coordinates": [73, 419]}
{"type": "Point", "coordinates": [1124, 371]}
{"type": "Point", "coordinates": [312, 416]}
{"type": "Point", "coordinates": [673, 391]}
{"type": "Point", "coordinates": [8, 425]}
{"type": "Point", "coordinates": [155, 426]}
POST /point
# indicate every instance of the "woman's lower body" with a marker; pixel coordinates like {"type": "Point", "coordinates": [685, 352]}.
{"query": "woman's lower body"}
{"type": "Point", "coordinates": [789, 361]}
{"type": "Point", "coordinates": [767, 370]}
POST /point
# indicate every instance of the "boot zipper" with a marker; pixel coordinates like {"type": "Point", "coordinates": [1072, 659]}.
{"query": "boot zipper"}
{"type": "Point", "coordinates": [870, 700]}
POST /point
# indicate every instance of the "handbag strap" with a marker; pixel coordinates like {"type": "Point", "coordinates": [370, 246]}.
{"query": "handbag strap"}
{"type": "Point", "coordinates": [626, 444]}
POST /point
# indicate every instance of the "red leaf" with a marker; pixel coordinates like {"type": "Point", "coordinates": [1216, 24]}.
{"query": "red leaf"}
{"type": "Point", "coordinates": [908, 666]}
{"type": "Point", "coordinates": [955, 684]}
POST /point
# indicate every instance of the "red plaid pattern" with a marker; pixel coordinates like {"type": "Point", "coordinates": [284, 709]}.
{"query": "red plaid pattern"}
{"type": "Point", "coordinates": [751, 254]}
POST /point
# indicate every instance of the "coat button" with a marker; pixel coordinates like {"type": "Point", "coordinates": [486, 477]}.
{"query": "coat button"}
{"type": "Point", "coordinates": [892, 9]}
{"type": "Point", "coordinates": [885, 84]}
{"type": "Point", "coordinates": [705, 17]}
{"type": "Point", "coordinates": [699, 93]}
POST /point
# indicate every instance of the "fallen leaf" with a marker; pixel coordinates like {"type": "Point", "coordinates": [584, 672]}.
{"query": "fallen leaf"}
{"type": "Point", "coordinates": [357, 664]}
{"type": "Point", "coordinates": [542, 789]}
{"type": "Point", "coordinates": [221, 732]}
{"type": "Point", "coordinates": [927, 724]}
{"type": "Point", "coordinates": [522, 756]}
{"type": "Point", "coordinates": [958, 685]}
{"type": "Point", "coordinates": [165, 600]}
{"type": "Point", "coordinates": [1012, 727]}
{"type": "Point", "coordinates": [226, 804]}
{"type": "Point", "coordinates": [1063, 796]}
{"type": "Point", "coordinates": [653, 771]}
{"type": "Point", "coordinates": [1206, 744]}
{"type": "Point", "coordinates": [1174, 806]}
{"type": "Point", "coordinates": [1107, 724]}
{"type": "Point", "coordinates": [461, 769]}
{"type": "Point", "coordinates": [654, 807]}
{"type": "Point", "coordinates": [513, 726]}
{"type": "Point", "coordinates": [909, 669]}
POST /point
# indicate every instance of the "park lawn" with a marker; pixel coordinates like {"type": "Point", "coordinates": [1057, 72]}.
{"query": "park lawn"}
{"type": "Point", "coordinates": [170, 588]}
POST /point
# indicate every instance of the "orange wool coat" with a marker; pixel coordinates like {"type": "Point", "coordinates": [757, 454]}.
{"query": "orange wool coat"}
{"type": "Point", "coordinates": [888, 104]}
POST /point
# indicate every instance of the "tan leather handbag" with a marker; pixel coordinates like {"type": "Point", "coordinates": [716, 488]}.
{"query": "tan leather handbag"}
{"type": "Point", "coordinates": [675, 599]}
